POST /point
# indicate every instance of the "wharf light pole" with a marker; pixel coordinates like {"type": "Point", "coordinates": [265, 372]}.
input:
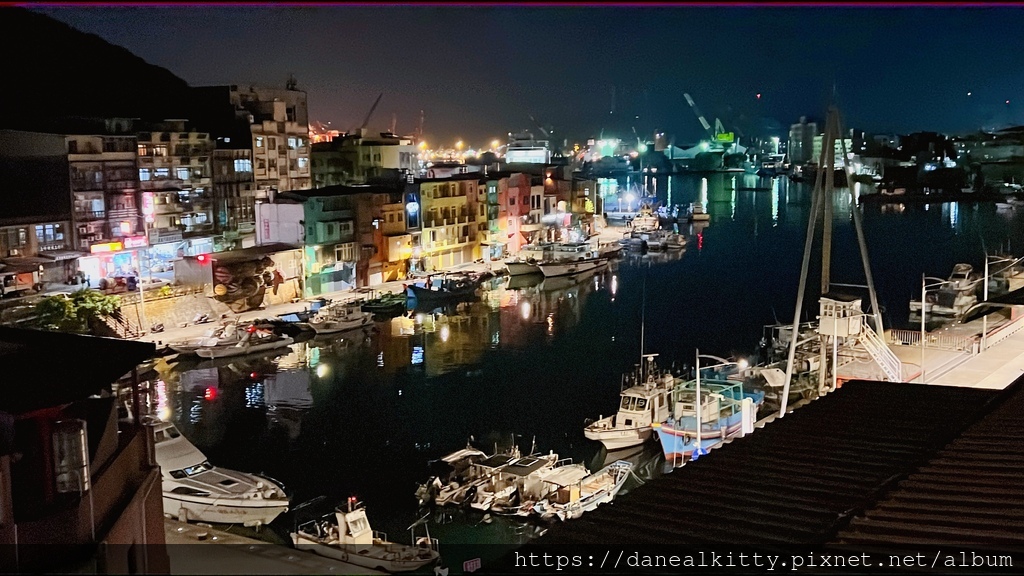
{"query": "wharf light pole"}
{"type": "Point", "coordinates": [699, 451]}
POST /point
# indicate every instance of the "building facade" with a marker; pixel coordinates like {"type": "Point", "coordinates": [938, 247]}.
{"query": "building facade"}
{"type": "Point", "coordinates": [356, 158]}
{"type": "Point", "coordinates": [449, 221]}
{"type": "Point", "coordinates": [801, 141]}
{"type": "Point", "coordinates": [176, 179]}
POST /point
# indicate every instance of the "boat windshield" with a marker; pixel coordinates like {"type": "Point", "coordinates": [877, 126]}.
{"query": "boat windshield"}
{"type": "Point", "coordinates": [188, 471]}
{"type": "Point", "coordinates": [633, 403]}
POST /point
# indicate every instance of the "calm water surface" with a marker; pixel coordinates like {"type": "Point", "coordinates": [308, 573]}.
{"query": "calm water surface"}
{"type": "Point", "coordinates": [363, 413]}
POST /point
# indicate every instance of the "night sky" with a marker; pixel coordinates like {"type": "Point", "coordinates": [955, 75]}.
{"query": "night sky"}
{"type": "Point", "coordinates": [479, 72]}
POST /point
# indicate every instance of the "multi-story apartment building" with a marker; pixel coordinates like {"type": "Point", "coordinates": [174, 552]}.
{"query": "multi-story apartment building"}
{"type": "Point", "coordinates": [234, 189]}
{"type": "Point", "coordinates": [801, 141]}
{"type": "Point", "coordinates": [105, 191]}
{"type": "Point", "coordinates": [450, 221]}
{"type": "Point", "coordinates": [344, 235]}
{"type": "Point", "coordinates": [355, 158]}
{"type": "Point", "coordinates": [36, 219]}
{"type": "Point", "coordinates": [273, 125]}
{"type": "Point", "coordinates": [175, 176]}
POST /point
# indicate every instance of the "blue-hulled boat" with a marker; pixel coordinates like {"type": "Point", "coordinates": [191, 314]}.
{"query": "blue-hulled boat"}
{"type": "Point", "coordinates": [726, 411]}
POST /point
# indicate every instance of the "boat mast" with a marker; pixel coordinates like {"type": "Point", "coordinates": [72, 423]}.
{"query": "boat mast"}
{"type": "Point", "coordinates": [643, 319]}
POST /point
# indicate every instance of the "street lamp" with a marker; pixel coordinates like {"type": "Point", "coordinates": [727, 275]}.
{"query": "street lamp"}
{"type": "Point", "coordinates": [742, 364]}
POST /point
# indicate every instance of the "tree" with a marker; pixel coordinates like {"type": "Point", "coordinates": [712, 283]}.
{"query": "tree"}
{"type": "Point", "coordinates": [78, 312]}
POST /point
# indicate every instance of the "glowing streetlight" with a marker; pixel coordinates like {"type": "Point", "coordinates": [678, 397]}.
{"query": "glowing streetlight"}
{"type": "Point", "coordinates": [458, 145]}
{"type": "Point", "coordinates": [423, 145]}
{"type": "Point", "coordinates": [495, 144]}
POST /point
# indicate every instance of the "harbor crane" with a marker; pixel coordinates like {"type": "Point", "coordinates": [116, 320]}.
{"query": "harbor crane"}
{"type": "Point", "coordinates": [366, 120]}
{"type": "Point", "coordinates": [719, 129]}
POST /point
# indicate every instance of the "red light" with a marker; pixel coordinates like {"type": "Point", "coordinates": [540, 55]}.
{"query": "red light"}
{"type": "Point", "coordinates": [254, 376]}
{"type": "Point", "coordinates": [251, 328]}
{"type": "Point", "coordinates": [210, 394]}
{"type": "Point", "coordinates": [203, 258]}
{"type": "Point", "coordinates": [700, 241]}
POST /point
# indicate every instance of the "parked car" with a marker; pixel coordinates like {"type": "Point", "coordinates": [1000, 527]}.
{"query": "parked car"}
{"type": "Point", "coordinates": [154, 283]}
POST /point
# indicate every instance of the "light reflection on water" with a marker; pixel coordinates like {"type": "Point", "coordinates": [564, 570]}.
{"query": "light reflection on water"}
{"type": "Point", "coordinates": [362, 413]}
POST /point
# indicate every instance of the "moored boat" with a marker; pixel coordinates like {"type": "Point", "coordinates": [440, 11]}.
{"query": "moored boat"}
{"type": "Point", "coordinates": [228, 333]}
{"type": "Point", "coordinates": [953, 297]}
{"type": "Point", "coordinates": [340, 317]}
{"type": "Point", "coordinates": [572, 496]}
{"type": "Point", "coordinates": [252, 341]}
{"type": "Point", "coordinates": [724, 411]}
{"type": "Point", "coordinates": [643, 403]}
{"type": "Point", "coordinates": [346, 535]}
{"type": "Point", "coordinates": [551, 269]}
{"type": "Point", "coordinates": [194, 489]}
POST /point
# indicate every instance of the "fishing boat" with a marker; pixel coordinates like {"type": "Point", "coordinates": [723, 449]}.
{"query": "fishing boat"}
{"type": "Point", "coordinates": [502, 490]}
{"type": "Point", "coordinates": [461, 489]}
{"type": "Point", "coordinates": [228, 333]}
{"type": "Point", "coordinates": [529, 259]}
{"type": "Point", "coordinates": [697, 213]}
{"type": "Point", "coordinates": [724, 411]}
{"type": "Point", "coordinates": [340, 317]}
{"type": "Point", "coordinates": [571, 495]}
{"type": "Point", "coordinates": [645, 219]}
{"type": "Point", "coordinates": [953, 297]}
{"type": "Point", "coordinates": [387, 304]}
{"type": "Point", "coordinates": [254, 340]}
{"type": "Point", "coordinates": [449, 288]}
{"type": "Point", "coordinates": [609, 251]}
{"type": "Point", "coordinates": [551, 269]}
{"type": "Point", "coordinates": [643, 402]}
{"type": "Point", "coordinates": [347, 536]}
{"type": "Point", "coordinates": [448, 470]}
{"type": "Point", "coordinates": [194, 489]}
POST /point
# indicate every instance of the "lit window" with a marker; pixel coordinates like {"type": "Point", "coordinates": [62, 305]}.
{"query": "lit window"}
{"type": "Point", "coordinates": [303, 163]}
{"type": "Point", "coordinates": [145, 174]}
{"type": "Point", "coordinates": [182, 173]}
{"type": "Point", "coordinates": [259, 141]}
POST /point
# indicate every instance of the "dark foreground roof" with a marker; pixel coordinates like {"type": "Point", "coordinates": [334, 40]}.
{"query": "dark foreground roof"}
{"type": "Point", "coordinates": [794, 481]}
{"type": "Point", "coordinates": [968, 496]}
{"type": "Point", "coordinates": [252, 253]}
{"type": "Point", "coordinates": [41, 369]}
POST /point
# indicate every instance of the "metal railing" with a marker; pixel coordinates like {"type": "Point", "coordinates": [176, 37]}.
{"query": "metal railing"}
{"type": "Point", "coordinates": [935, 341]}
{"type": "Point", "coordinates": [885, 357]}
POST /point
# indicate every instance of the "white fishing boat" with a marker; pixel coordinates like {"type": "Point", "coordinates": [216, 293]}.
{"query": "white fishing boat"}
{"type": "Point", "coordinates": [640, 406]}
{"type": "Point", "coordinates": [646, 219]}
{"type": "Point", "coordinates": [449, 473]}
{"type": "Point", "coordinates": [697, 213]}
{"type": "Point", "coordinates": [194, 489]}
{"type": "Point", "coordinates": [531, 256]}
{"type": "Point", "coordinates": [348, 537]}
{"type": "Point", "coordinates": [572, 495]}
{"type": "Point", "coordinates": [461, 488]}
{"type": "Point", "coordinates": [252, 341]}
{"type": "Point", "coordinates": [340, 317]}
{"type": "Point", "coordinates": [953, 297]}
{"type": "Point", "coordinates": [501, 490]}
{"type": "Point", "coordinates": [225, 334]}
{"type": "Point", "coordinates": [551, 269]}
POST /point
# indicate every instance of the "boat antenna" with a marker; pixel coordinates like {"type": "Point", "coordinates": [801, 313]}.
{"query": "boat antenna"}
{"type": "Point", "coordinates": [643, 319]}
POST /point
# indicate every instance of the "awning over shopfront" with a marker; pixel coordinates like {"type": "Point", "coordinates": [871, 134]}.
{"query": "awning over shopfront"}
{"type": "Point", "coordinates": [59, 255]}
{"type": "Point", "coordinates": [23, 264]}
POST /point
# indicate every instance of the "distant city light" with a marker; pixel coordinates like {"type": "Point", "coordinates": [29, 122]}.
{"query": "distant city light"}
{"type": "Point", "coordinates": [968, 93]}
{"type": "Point", "coordinates": [758, 95]}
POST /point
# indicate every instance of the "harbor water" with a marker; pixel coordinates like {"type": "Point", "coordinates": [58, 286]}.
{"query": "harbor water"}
{"type": "Point", "coordinates": [361, 414]}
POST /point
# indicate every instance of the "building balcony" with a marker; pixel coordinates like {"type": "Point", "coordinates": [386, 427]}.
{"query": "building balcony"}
{"type": "Point", "coordinates": [87, 216]}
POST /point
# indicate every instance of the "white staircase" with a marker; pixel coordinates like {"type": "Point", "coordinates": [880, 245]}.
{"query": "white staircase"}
{"type": "Point", "coordinates": [881, 353]}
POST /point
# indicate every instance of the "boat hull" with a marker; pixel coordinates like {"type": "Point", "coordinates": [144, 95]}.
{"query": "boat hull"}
{"type": "Point", "coordinates": [619, 438]}
{"type": "Point", "coordinates": [221, 510]}
{"type": "Point", "coordinates": [230, 351]}
{"type": "Point", "coordinates": [333, 327]}
{"type": "Point", "coordinates": [521, 268]}
{"type": "Point", "coordinates": [362, 555]}
{"type": "Point", "coordinates": [679, 444]}
{"type": "Point", "coordinates": [572, 268]}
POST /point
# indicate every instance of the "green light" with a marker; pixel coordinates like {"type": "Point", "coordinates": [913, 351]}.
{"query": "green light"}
{"type": "Point", "coordinates": [643, 148]}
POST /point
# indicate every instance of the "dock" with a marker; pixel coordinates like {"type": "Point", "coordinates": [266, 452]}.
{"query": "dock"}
{"type": "Point", "coordinates": [202, 549]}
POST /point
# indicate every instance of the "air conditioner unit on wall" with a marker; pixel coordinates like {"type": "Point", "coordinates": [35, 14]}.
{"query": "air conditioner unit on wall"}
{"type": "Point", "coordinates": [14, 252]}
